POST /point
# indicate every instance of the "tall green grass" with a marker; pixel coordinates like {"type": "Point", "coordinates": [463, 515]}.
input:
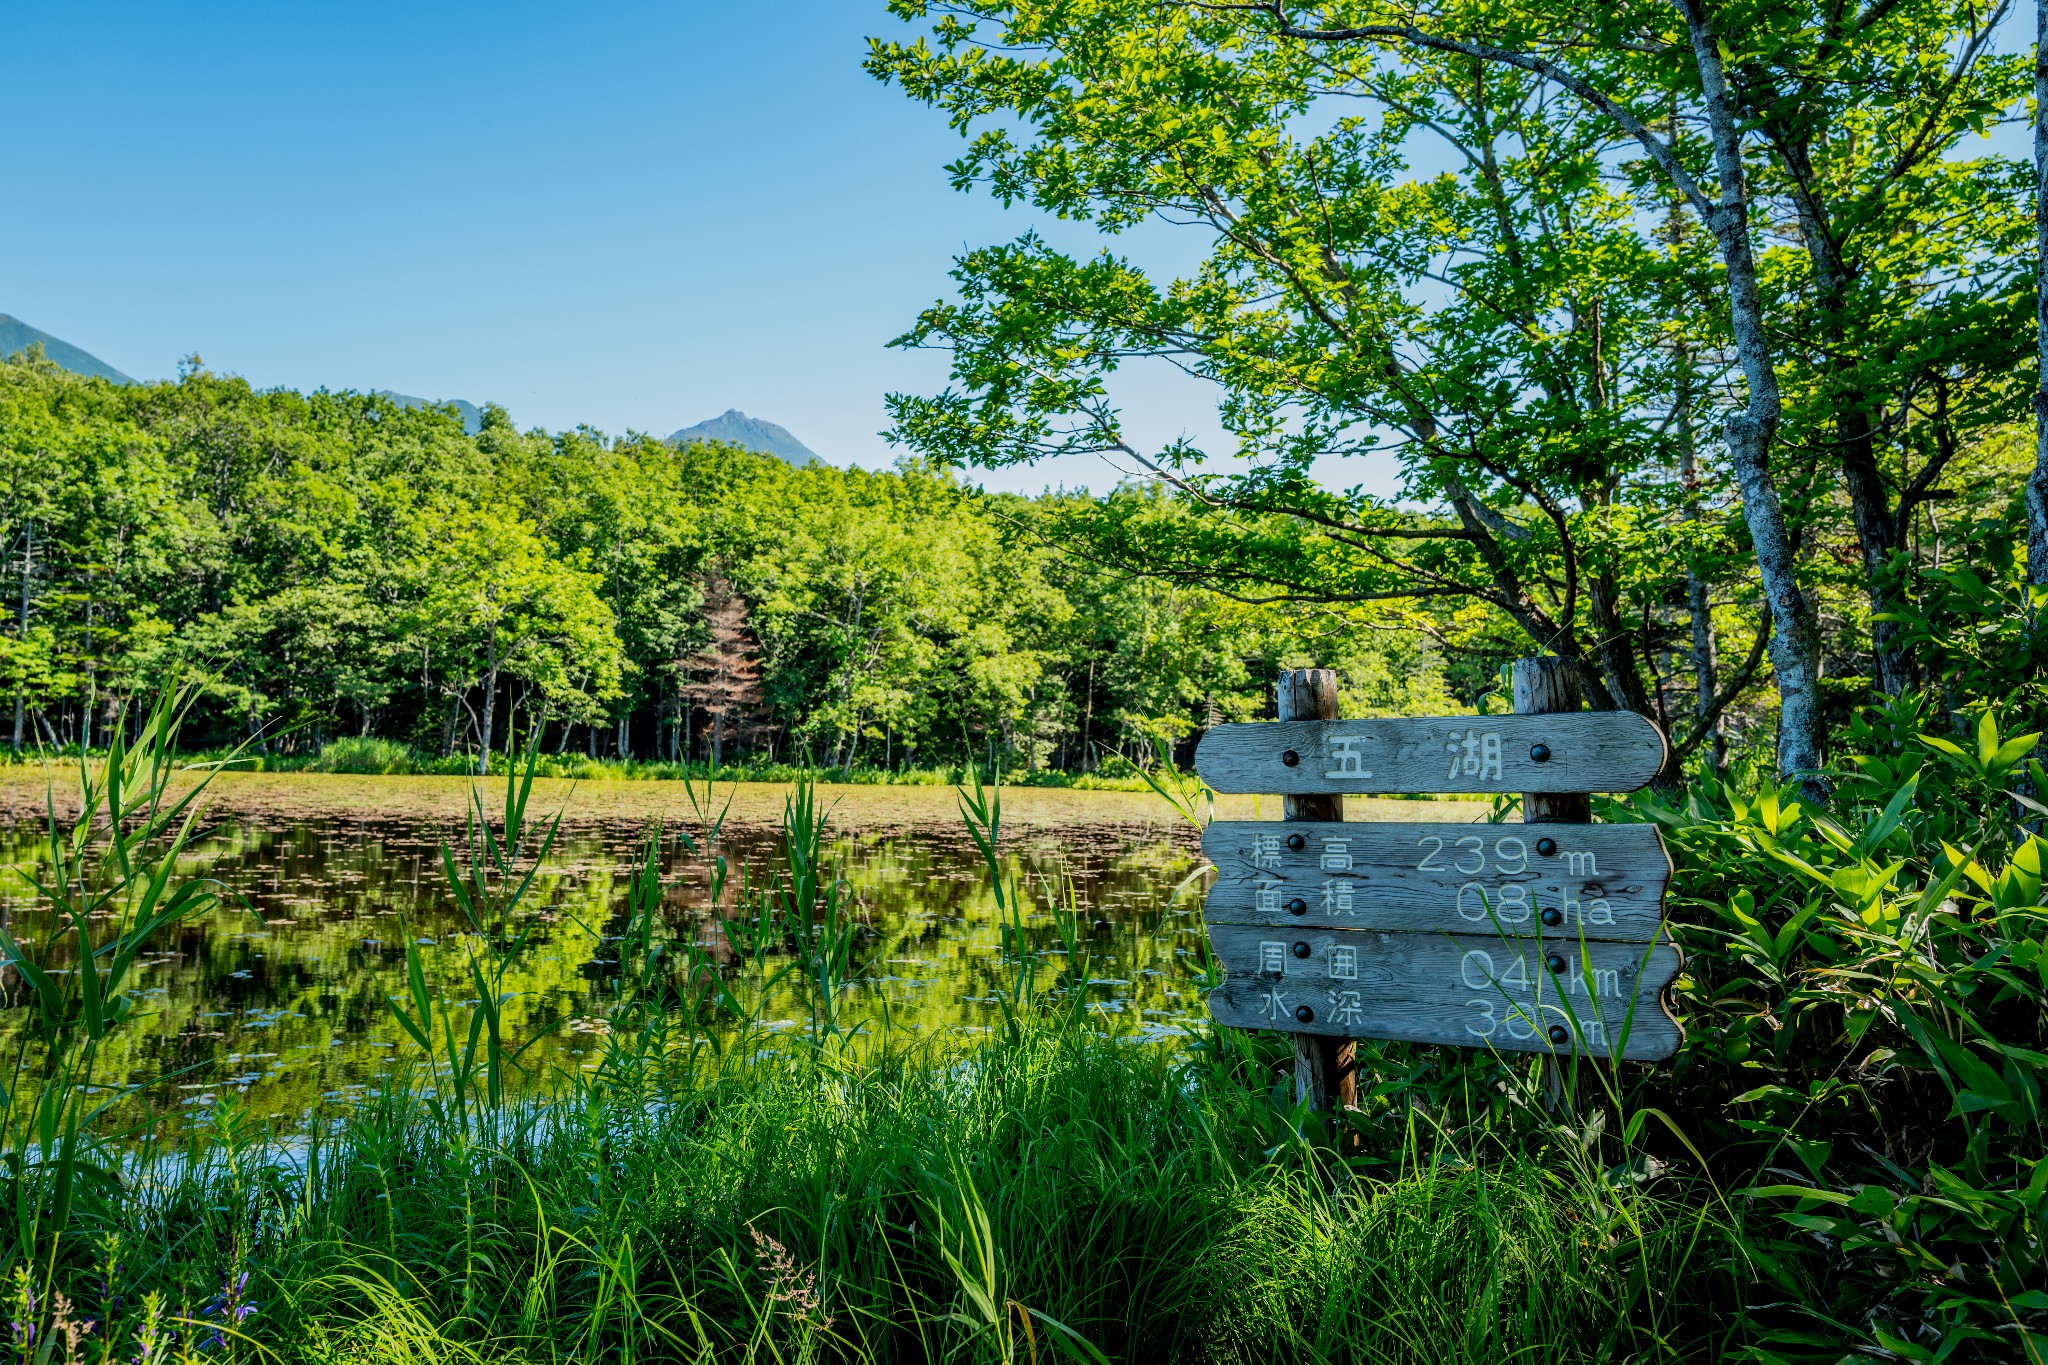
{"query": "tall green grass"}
{"type": "Point", "coordinates": [1845, 1163]}
{"type": "Point", "coordinates": [709, 1191]}
{"type": "Point", "coordinates": [1058, 1193]}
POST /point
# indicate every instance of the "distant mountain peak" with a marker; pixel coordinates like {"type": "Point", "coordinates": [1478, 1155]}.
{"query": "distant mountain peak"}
{"type": "Point", "coordinates": [472, 416]}
{"type": "Point", "coordinates": [733, 427]}
{"type": "Point", "coordinates": [17, 336]}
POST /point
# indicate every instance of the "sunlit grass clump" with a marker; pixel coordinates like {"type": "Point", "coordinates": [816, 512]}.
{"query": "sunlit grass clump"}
{"type": "Point", "coordinates": [371, 756]}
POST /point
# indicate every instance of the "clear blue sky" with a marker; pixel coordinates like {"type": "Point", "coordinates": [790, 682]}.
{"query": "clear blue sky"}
{"type": "Point", "coordinates": [627, 215]}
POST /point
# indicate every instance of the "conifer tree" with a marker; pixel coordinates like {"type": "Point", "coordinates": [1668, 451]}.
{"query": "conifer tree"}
{"type": "Point", "coordinates": [722, 678]}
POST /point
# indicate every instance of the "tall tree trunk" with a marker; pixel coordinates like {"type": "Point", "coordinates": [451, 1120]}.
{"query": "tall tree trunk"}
{"type": "Point", "coordinates": [483, 760]}
{"type": "Point", "coordinates": [28, 568]}
{"type": "Point", "coordinates": [2037, 486]}
{"type": "Point", "coordinates": [1870, 502]}
{"type": "Point", "coordinates": [1088, 707]}
{"type": "Point", "coordinates": [1619, 677]}
{"type": "Point", "coordinates": [91, 674]}
{"type": "Point", "coordinates": [662, 739]}
{"type": "Point", "coordinates": [1698, 600]}
{"type": "Point", "coordinates": [1795, 643]}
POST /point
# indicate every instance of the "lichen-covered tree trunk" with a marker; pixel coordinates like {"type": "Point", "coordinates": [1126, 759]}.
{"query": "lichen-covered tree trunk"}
{"type": "Point", "coordinates": [1795, 651]}
{"type": "Point", "coordinates": [2037, 486]}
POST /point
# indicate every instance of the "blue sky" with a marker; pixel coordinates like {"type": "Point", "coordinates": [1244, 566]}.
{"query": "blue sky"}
{"type": "Point", "coordinates": [624, 214]}
{"type": "Point", "coordinates": [627, 215]}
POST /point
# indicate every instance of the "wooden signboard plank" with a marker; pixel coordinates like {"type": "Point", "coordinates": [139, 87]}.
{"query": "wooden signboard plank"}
{"type": "Point", "coordinates": [1554, 995]}
{"type": "Point", "coordinates": [1610, 751]}
{"type": "Point", "coordinates": [1600, 881]}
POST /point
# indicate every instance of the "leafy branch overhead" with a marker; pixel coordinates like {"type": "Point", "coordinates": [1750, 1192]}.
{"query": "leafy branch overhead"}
{"type": "Point", "coordinates": [1533, 257]}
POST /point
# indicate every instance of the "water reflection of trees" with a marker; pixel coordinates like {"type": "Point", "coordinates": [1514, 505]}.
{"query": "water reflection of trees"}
{"type": "Point", "coordinates": [278, 997]}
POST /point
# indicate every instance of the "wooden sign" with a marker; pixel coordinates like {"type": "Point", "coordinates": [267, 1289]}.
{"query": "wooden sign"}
{"type": "Point", "coordinates": [1601, 882]}
{"type": "Point", "coordinates": [1553, 994]}
{"type": "Point", "coordinates": [1535, 937]}
{"type": "Point", "coordinates": [1585, 751]}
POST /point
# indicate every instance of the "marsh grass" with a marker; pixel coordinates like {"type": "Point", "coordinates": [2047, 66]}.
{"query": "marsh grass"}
{"type": "Point", "coordinates": [1057, 1194]}
{"type": "Point", "coordinates": [712, 1190]}
{"type": "Point", "coordinates": [1057, 1191]}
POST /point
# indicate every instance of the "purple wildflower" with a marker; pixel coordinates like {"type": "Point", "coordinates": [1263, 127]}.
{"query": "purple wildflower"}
{"type": "Point", "coordinates": [23, 1324]}
{"type": "Point", "coordinates": [228, 1309]}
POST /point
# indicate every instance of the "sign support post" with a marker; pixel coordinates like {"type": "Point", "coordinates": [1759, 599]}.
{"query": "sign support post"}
{"type": "Point", "coordinates": [1325, 1069]}
{"type": "Point", "coordinates": [1542, 686]}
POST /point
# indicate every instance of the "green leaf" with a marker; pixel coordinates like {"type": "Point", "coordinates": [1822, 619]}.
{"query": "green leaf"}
{"type": "Point", "coordinates": [49, 998]}
{"type": "Point", "coordinates": [1945, 746]}
{"type": "Point", "coordinates": [1987, 737]}
{"type": "Point", "coordinates": [2011, 752]}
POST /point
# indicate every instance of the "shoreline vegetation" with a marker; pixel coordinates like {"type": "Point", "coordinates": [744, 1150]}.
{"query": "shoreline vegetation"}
{"type": "Point", "coordinates": [388, 758]}
{"type": "Point", "coordinates": [1845, 1154]}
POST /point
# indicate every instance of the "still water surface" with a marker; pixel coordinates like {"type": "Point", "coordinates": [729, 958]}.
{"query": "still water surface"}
{"type": "Point", "coordinates": [278, 997]}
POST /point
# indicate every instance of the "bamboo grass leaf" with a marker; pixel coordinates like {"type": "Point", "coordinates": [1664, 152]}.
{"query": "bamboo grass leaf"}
{"type": "Point", "coordinates": [48, 995]}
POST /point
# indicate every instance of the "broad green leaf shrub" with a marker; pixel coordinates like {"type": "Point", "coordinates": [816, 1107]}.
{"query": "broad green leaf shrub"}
{"type": "Point", "coordinates": [1864, 997]}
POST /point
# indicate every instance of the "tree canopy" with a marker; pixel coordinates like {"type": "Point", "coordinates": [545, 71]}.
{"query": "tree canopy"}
{"type": "Point", "coordinates": [337, 565]}
{"type": "Point", "coordinates": [1681, 321]}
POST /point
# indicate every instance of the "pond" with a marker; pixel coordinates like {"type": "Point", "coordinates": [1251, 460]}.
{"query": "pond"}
{"type": "Point", "coordinates": [279, 996]}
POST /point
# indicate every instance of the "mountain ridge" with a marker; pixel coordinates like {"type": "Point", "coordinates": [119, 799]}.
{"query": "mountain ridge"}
{"type": "Point", "coordinates": [731, 427]}
{"type": "Point", "coordinates": [17, 336]}
{"type": "Point", "coordinates": [472, 416]}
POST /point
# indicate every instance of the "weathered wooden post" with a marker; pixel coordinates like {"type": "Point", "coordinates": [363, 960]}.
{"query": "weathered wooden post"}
{"type": "Point", "coordinates": [1548, 686]}
{"type": "Point", "coordinates": [1544, 686]}
{"type": "Point", "coordinates": [1325, 1069]}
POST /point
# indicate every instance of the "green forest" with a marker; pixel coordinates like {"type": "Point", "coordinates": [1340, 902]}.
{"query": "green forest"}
{"type": "Point", "coordinates": [340, 566]}
{"type": "Point", "coordinates": [1714, 378]}
{"type": "Point", "coordinates": [336, 565]}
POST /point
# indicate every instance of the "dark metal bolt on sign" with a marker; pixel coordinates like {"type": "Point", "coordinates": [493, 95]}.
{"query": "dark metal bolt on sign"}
{"type": "Point", "coordinates": [1304, 1014]}
{"type": "Point", "coordinates": [1560, 1035]}
{"type": "Point", "coordinates": [1296, 843]}
{"type": "Point", "coordinates": [1290, 758]}
{"type": "Point", "coordinates": [1546, 848]}
{"type": "Point", "coordinates": [1554, 964]}
{"type": "Point", "coordinates": [1539, 753]}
